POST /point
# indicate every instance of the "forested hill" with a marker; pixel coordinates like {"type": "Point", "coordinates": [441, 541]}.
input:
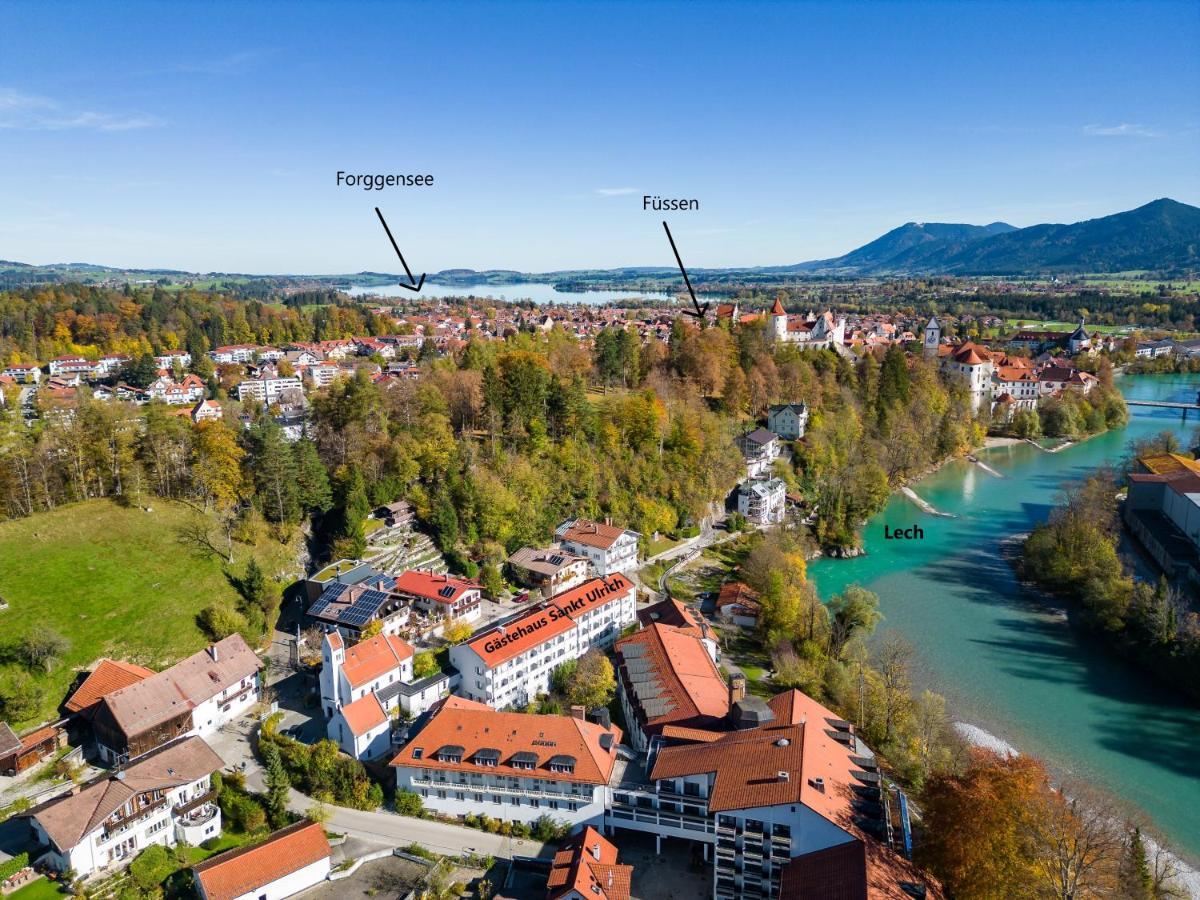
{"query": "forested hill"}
{"type": "Point", "coordinates": [1161, 237]}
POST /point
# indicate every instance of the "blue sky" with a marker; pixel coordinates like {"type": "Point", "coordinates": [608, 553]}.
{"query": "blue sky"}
{"type": "Point", "coordinates": [207, 137]}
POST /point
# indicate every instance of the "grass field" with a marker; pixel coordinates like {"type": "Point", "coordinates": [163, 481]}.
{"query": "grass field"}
{"type": "Point", "coordinates": [115, 581]}
{"type": "Point", "coordinates": [1028, 325]}
{"type": "Point", "coordinates": [38, 890]}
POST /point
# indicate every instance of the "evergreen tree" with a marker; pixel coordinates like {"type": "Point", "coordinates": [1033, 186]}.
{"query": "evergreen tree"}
{"type": "Point", "coordinates": [278, 785]}
{"type": "Point", "coordinates": [312, 482]}
{"type": "Point", "coordinates": [274, 472]}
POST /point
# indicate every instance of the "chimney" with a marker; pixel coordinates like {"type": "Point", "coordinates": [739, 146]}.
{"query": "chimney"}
{"type": "Point", "coordinates": [781, 775]}
{"type": "Point", "coordinates": [737, 688]}
{"type": "Point", "coordinates": [596, 851]}
{"type": "Point", "coordinates": [214, 653]}
{"type": "Point", "coordinates": [606, 741]}
{"type": "Point", "coordinates": [579, 712]}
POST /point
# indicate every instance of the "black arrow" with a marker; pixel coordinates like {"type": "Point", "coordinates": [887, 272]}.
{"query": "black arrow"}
{"type": "Point", "coordinates": [414, 286]}
{"type": "Point", "coordinates": [700, 310]}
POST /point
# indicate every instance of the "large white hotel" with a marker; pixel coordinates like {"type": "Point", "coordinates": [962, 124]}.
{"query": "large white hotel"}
{"type": "Point", "coordinates": [510, 664]}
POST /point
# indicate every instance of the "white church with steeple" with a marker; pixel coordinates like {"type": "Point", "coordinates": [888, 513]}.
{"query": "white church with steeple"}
{"type": "Point", "coordinates": [811, 331]}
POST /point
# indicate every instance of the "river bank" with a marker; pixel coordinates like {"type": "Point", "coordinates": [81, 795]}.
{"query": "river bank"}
{"type": "Point", "coordinates": [1004, 661]}
{"type": "Point", "coordinates": [1187, 877]}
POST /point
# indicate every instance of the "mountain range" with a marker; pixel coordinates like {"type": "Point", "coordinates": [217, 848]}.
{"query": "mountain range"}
{"type": "Point", "coordinates": [1161, 237]}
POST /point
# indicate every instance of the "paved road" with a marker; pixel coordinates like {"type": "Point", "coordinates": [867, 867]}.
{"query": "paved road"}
{"type": "Point", "coordinates": [398, 831]}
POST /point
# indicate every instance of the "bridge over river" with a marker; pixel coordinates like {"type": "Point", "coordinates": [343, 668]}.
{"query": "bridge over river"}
{"type": "Point", "coordinates": [1164, 404]}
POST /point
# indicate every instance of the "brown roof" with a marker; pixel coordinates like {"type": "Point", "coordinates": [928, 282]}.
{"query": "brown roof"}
{"type": "Point", "coordinates": [735, 592]}
{"type": "Point", "coordinates": [457, 722]}
{"type": "Point", "coordinates": [68, 820]}
{"type": "Point", "coordinates": [672, 612]}
{"type": "Point", "coordinates": [247, 869]}
{"type": "Point", "coordinates": [746, 766]}
{"type": "Point", "coordinates": [592, 534]}
{"type": "Point", "coordinates": [834, 873]}
{"type": "Point", "coordinates": [549, 561]}
{"type": "Point", "coordinates": [671, 679]}
{"type": "Point", "coordinates": [182, 687]}
{"type": "Point", "coordinates": [586, 864]}
{"type": "Point", "coordinates": [9, 742]}
{"type": "Point", "coordinates": [108, 676]}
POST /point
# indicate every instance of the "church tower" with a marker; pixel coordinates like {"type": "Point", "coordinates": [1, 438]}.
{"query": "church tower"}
{"type": "Point", "coordinates": [779, 322]}
{"type": "Point", "coordinates": [933, 336]}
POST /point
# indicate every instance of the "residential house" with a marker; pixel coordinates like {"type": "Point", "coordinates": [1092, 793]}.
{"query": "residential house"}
{"type": "Point", "coordinates": [234, 353]}
{"type": "Point", "coordinates": [171, 358]}
{"type": "Point", "coordinates": [760, 448]}
{"type": "Point", "coordinates": [586, 868]}
{"type": "Point", "coordinates": [395, 515]}
{"type": "Point", "coordinates": [550, 570]}
{"type": "Point", "coordinates": [164, 797]}
{"type": "Point", "coordinates": [761, 500]}
{"type": "Point", "coordinates": [350, 605]}
{"type": "Point", "coordinates": [788, 420]}
{"type": "Point", "coordinates": [739, 604]}
{"type": "Point", "coordinates": [207, 411]}
{"type": "Point", "coordinates": [291, 860]}
{"type": "Point", "coordinates": [109, 676]}
{"type": "Point", "coordinates": [469, 759]}
{"type": "Point", "coordinates": [195, 696]}
{"type": "Point", "coordinates": [441, 595]}
{"type": "Point", "coordinates": [609, 548]}
{"type": "Point", "coordinates": [510, 663]}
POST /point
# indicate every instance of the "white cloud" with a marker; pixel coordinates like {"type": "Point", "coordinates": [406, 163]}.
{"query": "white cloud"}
{"type": "Point", "coordinates": [29, 112]}
{"type": "Point", "coordinates": [1125, 129]}
{"type": "Point", "coordinates": [615, 192]}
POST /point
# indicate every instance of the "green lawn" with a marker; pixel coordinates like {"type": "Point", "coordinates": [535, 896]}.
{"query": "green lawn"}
{"type": "Point", "coordinates": [662, 545]}
{"type": "Point", "coordinates": [38, 890]}
{"type": "Point", "coordinates": [1064, 326]}
{"type": "Point", "coordinates": [115, 581]}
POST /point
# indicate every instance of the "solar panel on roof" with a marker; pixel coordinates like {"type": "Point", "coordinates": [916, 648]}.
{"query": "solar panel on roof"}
{"type": "Point", "coordinates": [556, 560]}
{"type": "Point", "coordinates": [447, 591]}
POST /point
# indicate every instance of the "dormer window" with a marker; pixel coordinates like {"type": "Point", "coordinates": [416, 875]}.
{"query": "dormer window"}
{"type": "Point", "coordinates": [562, 764]}
{"type": "Point", "coordinates": [450, 754]}
{"type": "Point", "coordinates": [487, 756]}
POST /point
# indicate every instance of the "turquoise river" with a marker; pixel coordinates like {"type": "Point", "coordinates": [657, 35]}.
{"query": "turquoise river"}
{"type": "Point", "coordinates": [1008, 664]}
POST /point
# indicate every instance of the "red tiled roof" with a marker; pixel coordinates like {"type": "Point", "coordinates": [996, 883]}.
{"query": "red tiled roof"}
{"type": "Point", "coordinates": [474, 726]}
{"type": "Point", "coordinates": [586, 864]}
{"type": "Point", "coordinates": [431, 586]}
{"type": "Point", "coordinates": [108, 676]}
{"type": "Point", "coordinates": [364, 714]}
{"type": "Point", "coordinates": [592, 534]}
{"type": "Point", "coordinates": [735, 592]}
{"type": "Point", "coordinates": [677, 681]}
{"type": "Point", "coordinates": [548, 619]}
{"type": "Point", "coordinates": [245, 870]}
{"type": "Point", "coordinates": [777, 309]}
{"type": "Point", "coordinates": [376, 656]}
